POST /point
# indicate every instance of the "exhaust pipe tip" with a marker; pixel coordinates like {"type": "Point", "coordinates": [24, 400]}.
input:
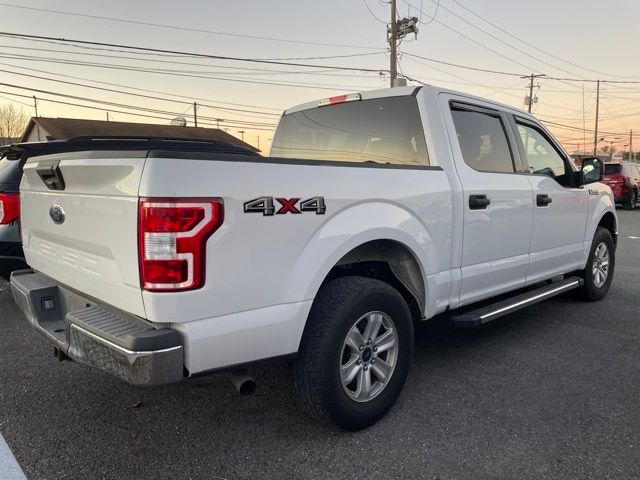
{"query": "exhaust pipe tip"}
{"type": "Point", "coordinates": [244, 383]}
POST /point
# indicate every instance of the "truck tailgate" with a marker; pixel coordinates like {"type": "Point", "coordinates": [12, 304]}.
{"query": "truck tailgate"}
{"type": "Point", "coordinates": [83, 233]}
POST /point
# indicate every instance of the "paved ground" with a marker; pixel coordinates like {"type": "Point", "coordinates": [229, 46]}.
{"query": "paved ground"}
{"type": "Point", "coordinates": [551, 392]}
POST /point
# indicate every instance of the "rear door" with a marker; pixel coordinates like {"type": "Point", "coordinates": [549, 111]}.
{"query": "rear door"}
{"type": "Point", "coordinates": [560, 211]}
{"type": "Point", "coordinates": [79, 222]}
{"type": "Point", "coordinates": [498, 208]}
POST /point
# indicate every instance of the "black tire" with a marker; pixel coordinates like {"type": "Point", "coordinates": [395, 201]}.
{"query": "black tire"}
{"type": "Point", "coordinates": [633, 200]}
{"type": "Point", "coordinates": [316, 370]}
{"type": "Point", "coordinates": [590, 291]}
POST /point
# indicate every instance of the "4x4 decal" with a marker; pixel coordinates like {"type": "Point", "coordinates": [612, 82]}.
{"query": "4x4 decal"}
{"type": "Point", "coordinates": [266, 206]}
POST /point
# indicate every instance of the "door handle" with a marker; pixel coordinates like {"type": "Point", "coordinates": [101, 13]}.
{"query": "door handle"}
{"type": "Point", "coordinates": [478, 202]}
{"type": "Point", "coordinates": [543, 200]}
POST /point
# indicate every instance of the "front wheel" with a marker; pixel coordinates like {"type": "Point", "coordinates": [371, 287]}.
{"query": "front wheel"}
{"type": "Point", "coordinates": [598, 272]}
{"type": "Point", "coordinates": [355, 352]}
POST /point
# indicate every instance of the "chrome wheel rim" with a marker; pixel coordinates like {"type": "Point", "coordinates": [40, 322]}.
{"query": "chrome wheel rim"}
{"type": "Point", "coordinates": [368, 356]}
{"type": "Point", "coordinates": [600, 267]}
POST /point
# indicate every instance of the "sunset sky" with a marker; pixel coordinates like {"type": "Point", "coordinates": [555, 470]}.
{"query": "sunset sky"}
{"type": "Point", "coordinates": [572, 42]}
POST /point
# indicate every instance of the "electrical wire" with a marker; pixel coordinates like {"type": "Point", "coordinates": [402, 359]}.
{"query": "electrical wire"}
{"type": "Point", "coordinates": [433, 17]}
{"type": "Point", "coordinates": [331, 87]}
{"type": "Point", "coordinates": [234, 70]}
{"type": "Point", "coordinates": [519, 50]}
{"type": "Point", "coordinates": [531, 45]}
{"type": "Point", "coordinates": [188, 54]}
{"type": "Point", "coordinates": [188, 29]}
{"type": "Point", "coordinates": [93, 87]}
{"type": "Point", "coordinates": [190, 98]}
{"type": "Point", "coordinates": [476, 69]}
{"type": "Point", "coordinates": [371, 12]}
{"type": "Point", "coordinates": [170, 115]}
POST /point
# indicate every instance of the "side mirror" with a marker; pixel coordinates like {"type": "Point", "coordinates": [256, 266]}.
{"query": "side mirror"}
{"type": "Point", "coordinates": [592, 171]}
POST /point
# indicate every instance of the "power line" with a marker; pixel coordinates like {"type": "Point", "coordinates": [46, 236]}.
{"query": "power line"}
{"type": "Point", "coordinates": [39, 77]}
{"type": "Point", "coordinates": [179, 73]}
{"type": "Point", "coordinates": [120, 105]}
{"type": "Point", "coordinates": [156, 60]}
{"type": "Point", "coordinates": [503, 42]}
{"type": "Point", "coordinates": [476, 42]}
{"type": "Point", "coordinates": [371, 12]}
{"type": "Point", "coordinates": [188, 29]}
{"type": "Point", "coordinates": [433, 17]}
{"type": "Point", "coordinates": [188, 54]}
{"type": "Point", "coordinates": [513, 74]}
{"type": "Point", "coordinates": [17, 101]}
{"type": "Point", "coordinates": [531, 45]}
{"type": "Point", "coordinates": [190, 98]}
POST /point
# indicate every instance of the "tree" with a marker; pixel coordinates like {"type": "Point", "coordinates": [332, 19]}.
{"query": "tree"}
{"type": "Point", "coordinates": [608, 149]}
{"type": "Point", "coordinates": [13, 122]}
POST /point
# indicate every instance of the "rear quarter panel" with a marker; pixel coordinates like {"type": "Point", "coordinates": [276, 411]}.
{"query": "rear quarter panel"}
{"type": "Point", "coordinates": [256, 261]}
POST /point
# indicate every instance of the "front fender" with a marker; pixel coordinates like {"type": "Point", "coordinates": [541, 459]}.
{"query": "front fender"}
{"type": "Point", "coordinates": [350, 228]}
{"type": "Point", "coordinates": [600, 204]}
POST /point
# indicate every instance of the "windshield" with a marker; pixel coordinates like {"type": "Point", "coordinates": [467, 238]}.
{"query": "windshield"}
{"type": "Point", "coordinates": [612, 169]}
{"type": "Point", "coordinates": [382, 130]}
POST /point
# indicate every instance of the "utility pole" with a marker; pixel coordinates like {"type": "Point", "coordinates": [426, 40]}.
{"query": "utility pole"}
{"type": "Point", "coordinates": [241, 132]}
{"type": "Point", "coordinates": [631, 145]}
{"type": "Point", "coordinates": [35, 106]}
{"type": "Point", "coordinates": [218, 120]}
{"type": "Point", "coordinates": [393, 40]}
{"type": "Point", "coordinates": [529, 100]}
{"type": "Point", "coordinates": [195, 114]}
{"type": "Point", "coordinates": [595, 136]}
{"type": "Point", "coordinates": [107, 116]}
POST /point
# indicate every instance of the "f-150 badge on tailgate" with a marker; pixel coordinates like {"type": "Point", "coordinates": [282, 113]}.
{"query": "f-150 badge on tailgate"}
{"type": "Point", "coordinates": [267, 207]}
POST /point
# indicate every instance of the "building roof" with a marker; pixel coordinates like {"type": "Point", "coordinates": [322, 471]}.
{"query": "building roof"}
{"type": "Point", "coordinates": [64, 128]}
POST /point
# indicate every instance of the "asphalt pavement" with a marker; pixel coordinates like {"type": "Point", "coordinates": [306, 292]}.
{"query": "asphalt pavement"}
{"type": "Point", "coordinates": [552, 391]}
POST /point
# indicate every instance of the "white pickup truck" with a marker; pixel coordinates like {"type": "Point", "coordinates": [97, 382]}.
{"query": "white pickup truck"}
{"type": "Point", "coordinates": [158, 261]}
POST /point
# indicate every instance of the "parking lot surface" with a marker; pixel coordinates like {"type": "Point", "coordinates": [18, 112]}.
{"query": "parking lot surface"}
{"type": "Point", "coordinates": [552, 391]}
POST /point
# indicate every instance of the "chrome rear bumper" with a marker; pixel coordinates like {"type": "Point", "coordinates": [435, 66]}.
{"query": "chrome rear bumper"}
{"type": "Point", "coordinates": [99, 336]}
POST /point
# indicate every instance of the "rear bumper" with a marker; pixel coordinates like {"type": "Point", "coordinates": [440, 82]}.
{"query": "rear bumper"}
{"type": "Point", "coordinates": [95, 335]}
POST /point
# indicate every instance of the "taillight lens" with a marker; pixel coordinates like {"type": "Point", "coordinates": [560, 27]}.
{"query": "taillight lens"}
{"type": "Point", "coordinates": [9, 207]}
{"type": "Point", "coordinates": [172, 236]}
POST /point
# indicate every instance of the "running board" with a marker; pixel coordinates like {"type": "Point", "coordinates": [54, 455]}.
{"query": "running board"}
{"type": "Point", "coordinates": [487, 313]}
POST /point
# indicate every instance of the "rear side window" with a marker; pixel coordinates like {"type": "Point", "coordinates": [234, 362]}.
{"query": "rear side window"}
{"type": "Point", "coordinates": [483, 140]}
{"type": "Point", "coordinates": [10, 171]}
{"type": "Point", "coordinates": [383, 130]}
{"type": "Point", "coordinates": [612, 168]}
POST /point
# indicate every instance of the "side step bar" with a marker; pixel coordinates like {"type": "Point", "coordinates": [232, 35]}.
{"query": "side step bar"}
{"type": "Point", "coordinates": [487, 313]}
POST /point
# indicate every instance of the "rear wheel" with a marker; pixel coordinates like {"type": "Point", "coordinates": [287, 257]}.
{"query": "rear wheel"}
{"type": "Point", "coordinates": [355, 352]}
{"type": "Point", "coordinates": [633, 200]}
{"type": "Point", "coordinates": [598, 272]}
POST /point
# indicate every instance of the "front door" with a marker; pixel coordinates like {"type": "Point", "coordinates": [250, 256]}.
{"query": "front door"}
{"type": "Point", "coordinates": [560, 211]}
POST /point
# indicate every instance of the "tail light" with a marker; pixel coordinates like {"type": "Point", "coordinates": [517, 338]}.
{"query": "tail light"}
{"type": "Point", "coordinates": [172, 235]}
{"type": "Point", "coordinates": [9, 207]}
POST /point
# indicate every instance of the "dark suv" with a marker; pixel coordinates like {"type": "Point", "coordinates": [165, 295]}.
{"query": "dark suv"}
{"type": "Point", "coordinates": [11, 256]}
{"type": "Point", "coordinates": [624, 180]}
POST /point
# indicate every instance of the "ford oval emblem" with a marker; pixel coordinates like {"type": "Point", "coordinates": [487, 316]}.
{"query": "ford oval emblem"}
{"type": "Point", "coordinates": [57, 214]}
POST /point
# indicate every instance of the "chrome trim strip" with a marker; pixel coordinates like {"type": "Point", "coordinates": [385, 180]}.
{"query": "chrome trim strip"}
{"type": "Point", "coordinates": [523, 303]}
